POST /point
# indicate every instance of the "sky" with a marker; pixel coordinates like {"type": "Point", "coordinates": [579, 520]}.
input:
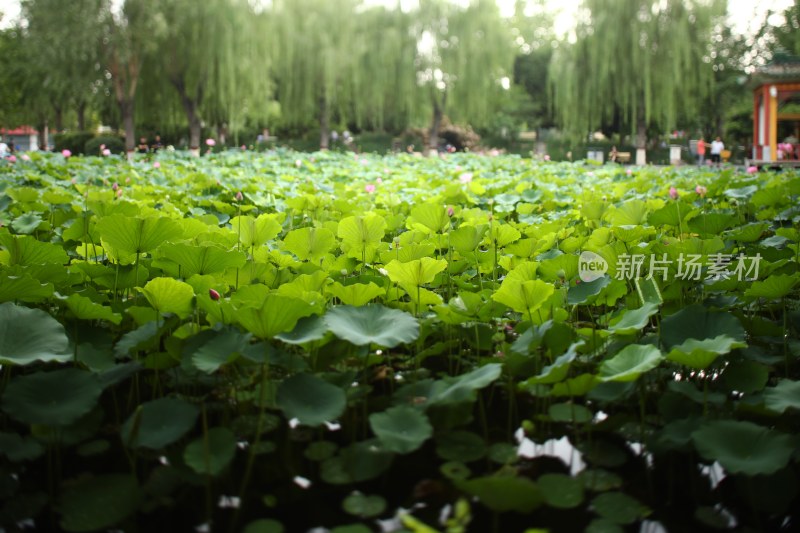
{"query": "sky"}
{"type": "Point", "coordinates": [745, 15]}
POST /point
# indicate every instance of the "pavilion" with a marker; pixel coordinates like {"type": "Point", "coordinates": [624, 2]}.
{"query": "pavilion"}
{"type": "Point", "coordinates": [776, 112]}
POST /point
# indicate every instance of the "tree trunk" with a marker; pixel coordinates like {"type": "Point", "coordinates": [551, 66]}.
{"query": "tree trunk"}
{"type": "Point", "coordinates": [641, 139]}
{"type": "Point", "coordinates": [324, 124]}
{"type": "Point", "coordinates": [190, 106]}
{"type": "Point", "coordinates": [436, 123]}
{"type": "Point", "coordinates": [126, 108]}
{"type": "Point", "coordinates": [42, 134]}
{"type": "Point", "coordinates": [59, 118]}
{"type": "Point", "coordinates": [81, 116]}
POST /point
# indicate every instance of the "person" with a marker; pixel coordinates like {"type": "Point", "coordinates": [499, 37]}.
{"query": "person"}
{"type": "Point", "coordinates": [142, 148]}
{"type": "Point", "coordinates": [157, 144]}
{"type": "Point", "coordinates": [612, 156]}
{"type": "Point", "coordinates": [701, 151]}
{"type": "Point", "coordinates": [4, 149]}
{"type": "Point", "coordinates": [717, 147]}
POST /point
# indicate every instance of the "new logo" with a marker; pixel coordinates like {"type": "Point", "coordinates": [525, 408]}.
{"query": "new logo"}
{"type": "Point", "coordinates": [591, 266]}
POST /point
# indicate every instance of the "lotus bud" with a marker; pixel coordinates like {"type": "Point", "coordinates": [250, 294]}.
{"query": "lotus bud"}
{"type": "Point", "coordinates": [214, 295]}
{"type": "Point", "coordinates": [239, 196]}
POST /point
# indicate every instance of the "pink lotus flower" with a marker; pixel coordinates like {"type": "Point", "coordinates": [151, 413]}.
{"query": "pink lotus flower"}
{"type": "Point", "coordinates": [752, 169]}
{"type": "Point", "coordinates": [26, 157]}
{"type": "Point", "coordinates": [379, 180]}
{"type": "Point", "coordinates": [12, 158]}
{"type": "Point", "coordinates": [239, 196]}
{"type": "Point", "coordinates": [74, 181]}
{"type": "Point", "coordinates": [451, 211]}
{"type": "Point", "coordinates": [673, 193]}
{"type": "Point", "coordinates": [115, 186]}
{"type": "Point", "coordinates": [629, 172]}
{"type": "Point", "coordinates": [214, 295]}
{"type": "Point", "coordinates": [119, 193]}
{"type": "Point", "coordinates": [546, 157]}
{"type": "Point", "coordinates": [66, 153]}
{"type": "Point", "coordinates": [370, 188]}
{"type": "Point", "coordinates": [106, 152]}
{"type": "Point", "coordinates": [210, 142]}
{"type": "Point", "coordinates": [701, 191]}
{"type": "Point", "coordinates": [102, 147]}
{"type": "Point", "coordinates": [156, 164]}
{"type": "Point", "coordinates": [466, 177]}
{"type": "Point", "coordinates": [243, 147]}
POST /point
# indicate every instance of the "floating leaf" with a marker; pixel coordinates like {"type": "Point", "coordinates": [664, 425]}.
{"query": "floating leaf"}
{"type": "Point", "coordinates": [211, 453]}
{"type": "Point", "coordinates": [618, 507]}
{"type": "Point", "coordinates": [55, 398]}
{"type": "Point", "coordinates": [401, 429]}
{"type": "Point", "coordinates": [158, 423]}
{"type": "Point", "coordinates": [310, 399]}
{"type": "Point", "coordinates": [372, 324]}
{"type": "Point", "coordinates": [561, 491]}
{"type": "Point", "coordinates": [264, 525]}
{"type": "Point", "coordinates": [28, 335]}
{"type": "Point", "coordinates": [743, 447]}
{"type": "Point", "coordinates": [461, 446]}
{"type": "Point", "coordinates": [362, 505]}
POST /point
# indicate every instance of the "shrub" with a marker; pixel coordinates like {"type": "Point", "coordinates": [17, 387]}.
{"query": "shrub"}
{"type": "Point", "coordinates": [75, 142]}
{"type": "Point", "coordinates": [113, 142]}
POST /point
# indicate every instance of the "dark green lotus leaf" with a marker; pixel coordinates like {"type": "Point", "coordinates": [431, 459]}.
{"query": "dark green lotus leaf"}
{"type": "Point", "coordinates": [583, 292]}
{"type": "Point", "coordinates": [504, 493]}
{"type": "Point", "coordinates": [99, 502]}
{"type": "Point", "coordinates": [264, 525]}
{"type": "Point", "coordinates": [211, 453]}
{"type": "Point", "coordinates": [745, 376]}
{"type": "Point", "coordinates": [561, 491]}
{"type": "Point", "coordinates": [23, 289]}
{"type": "Point", "coordinates": [29, 335]}
{"type": "Point", "coordinates": [358, 462]}
{"type": "Point", "coordinates": [26, 251]}
{"type": "Point", "coordinates": [363, 505]}
{"type": "Point", "coordinates": [774, 287]}
{"type": "Point", "coordinates": [699, 354]}
{"type": "Point", "coordinates": [599, 480]}
{"type": "Point", "coordinates": [570, 413]}
{"type": "Point", "coordinates": [697, 322]}
{"type": "Point", "coordinates": [785, 395]}
{"type": "Point", "coordinates": [159, 423]}
{"type": "Point", "coordinates": [223, 348]}
{"type": "Point", "coordinates": [85, 309]}
{"type": "Point", "coordinates": [744, 447]}
{"type": "Point", "coordinates": [202, 259]}
{"type": "Point", "coordinates": [619, 508]}
{"type": "Point", "coordinates": [372, 324]}
{"type": "Point", "coordinates": [320, 450]}
{"type": "Point", "coordinates": [634, 320]}
{"type": "Point", "coordinates": [27, 222]}
{"type": "Point", "coordinates": [310, 399]}
{"type": "Point", "coordinates": [55, 398]}
{"type": "Point", "coordinates": [308, 329]}
{"type": "Point", "coordinates": [18, 448]}
{"type": "Point", "coordinates": [462, 446]}
{"type": "Point", "coordinates": [401, 429]}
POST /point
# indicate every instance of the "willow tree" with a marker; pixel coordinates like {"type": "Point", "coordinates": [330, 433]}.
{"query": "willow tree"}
{"type": "Point", "coordinates": [647, 60]}
{"type": "Point", "coordinates": [209, 55]}
{"type": "Point", "coordinates": [463, 56]}
{"type": "Point", "coordinates": [315, 60]}
{"type": "Point", "coordinates": [131, 31]}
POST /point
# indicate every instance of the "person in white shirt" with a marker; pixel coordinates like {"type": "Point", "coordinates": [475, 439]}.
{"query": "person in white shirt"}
{"type": "Point", "coordinates": [717, 147]}
{"type": "Point", "coordinates": [4, 150]}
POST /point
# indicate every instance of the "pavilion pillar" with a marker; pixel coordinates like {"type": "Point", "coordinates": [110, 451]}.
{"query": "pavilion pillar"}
{"type": "Point", "coordinates": [773, 122]}
{"type": "Point", "coordinates": [756, 118]}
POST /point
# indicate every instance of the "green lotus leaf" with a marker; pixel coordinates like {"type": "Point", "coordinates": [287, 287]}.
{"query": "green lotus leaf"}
{"type": "Point", "coordinates": [461, 446]}
{"type": "Point", "coordinates": [697, 322]}
{"type": "Point", "coordinates": [558, 370]}
{"type": "Point", "coordinates": [23, 289]}
{"type": "Point", "coordinates": [135, 235]}
{"type": "Point", "coordinates": [561, 491]}
{"type": "Point", "coordinates": [580, 385]}
{"type": "Point", "coordinates": [158, 423]}
{"type": "Point", "coordinates": [673, 213]}
{"type": "Point", "coordinates": [168, 295]}
{"type": "Point", "coordinates": [223, 348]}
{"type": "Point", "coordinates": [774, 287]}
{"type": "Point", "coordinates": [745, 376]}
{"type": "Point", "coordinates": [504, 493]}
{"type": "Point", "coordinates": [429, 217]}
{"type": "Point", "coordinates": [524, 297]}
{"type": "Point", "coordinates": [309, 244]}
{"type": "Point", "coordinates": [711, 223]}
{"type": "Point", "coordinates": [503, 234]}
{"type": "Point", "coordinates": [308, 329]}
{"type": "Point", "coordinates": [18, 448]}
{"type": "Point", "coordinates": [467, 238]}
{"type": "Point", "coordinates": [204, 259]}
{"type": "Point", "coordinates": [55, 398]}
{"type": "Point", "coordinates": [264, 525]}
{"type": "Point", "coordinates": [372, 324]}
{"type": "Point", "coordinates": [310, 399]}
{"type": "Point", "coordinates": [629, 213]}
{"type": "Point", "coordinates": [619, 508]}
{"type": "Point", "coordinates": [356, 294]}
{"type": "Point", "coordinates": [253, 232]}
{"type": "Point", "coordinates": [570, 413]}
{"type": "Point", "coordinates": [27, 222]}
{"type": "Point", "coordinates": [276, 314]}
{"type": "Point", "coordinates": [358, 462]}
{"type": "Point", "coordinates": [401, 429]}
{"type": "Point", "coordinates": [99, 502]}
{"type": "Point", "coordinates": [415, 273]}
{"type": "Point", "coordinates": [85, 309]}
{"type": "Point", "coordinates": [28, 335]}
{"type": "Point", "coordinates": [211, 453]}
{"type": "Point", "coordinates": [361, 234]}
{"type": "Point", "coordinates": [25, 250]}
{"type": "Point", "coordinates": [457, 389]}
{"type": "Point", "coordinates": [744, 447]}
{"type": "Point", "coordinates": [785, 395]}
{"type": "Point", "coordinates": [583, 292]}
{"type": "Point", "coordinates": [634, 320]}
{"type": "Point", "coordinates": [358, 504]}
{"type": "Point", "coordinates": [630, 363]}
{"type": "Point", "coordinates": [699, 354]}
{"type": "Point", "coordinates": [748, 232]}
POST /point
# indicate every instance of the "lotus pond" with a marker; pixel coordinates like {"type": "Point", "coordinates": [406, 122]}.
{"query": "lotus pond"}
{"type": "Point", "coordinates": [282, 342]}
